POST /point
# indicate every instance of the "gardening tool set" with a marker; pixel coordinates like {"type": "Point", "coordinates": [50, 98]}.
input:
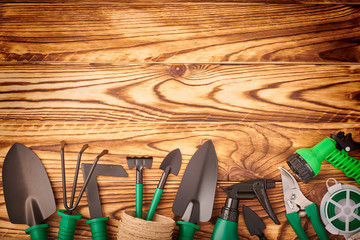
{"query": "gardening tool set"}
{"type": "Point", "coordinates": [30, 200]}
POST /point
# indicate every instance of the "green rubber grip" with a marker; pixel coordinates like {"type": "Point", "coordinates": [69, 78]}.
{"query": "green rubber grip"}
{"type": "Point", "coordinates": [225, 230]}
{"type": "Point", "coordinates": [138, 199]}
{"type": "Point", "coordinates": [38, 232]}
{"type": "Point", "coordinates": [98, 228]}
{"type": "Point", "coordinates": [67, 225]}
{"type": "Point", "coordinates": [341, 160]}
{"type": "Point", "coordinates": [187, 230]}
{"type": "Point", "coordinates": [312, 213]}
{"type": "Point", "coordinates": [154, 204]}
{"type": "Point", "coordinates": [295, 223]}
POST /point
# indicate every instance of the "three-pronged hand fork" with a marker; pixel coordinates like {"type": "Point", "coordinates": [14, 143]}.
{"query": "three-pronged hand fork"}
{"type": "Point", "coordinates": [69, 216]}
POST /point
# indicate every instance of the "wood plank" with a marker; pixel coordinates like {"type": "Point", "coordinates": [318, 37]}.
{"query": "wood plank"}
{"type": "Point", "coordinates": [347, 2]}
{"type": "Point", "coordinates": [244, 151]}
{"type": "Point", "coordinates": [118, 195]}
{"type": "Point", "coordinates": [179, 93]}
{"type": "Point", "coordinates": [173, 33]}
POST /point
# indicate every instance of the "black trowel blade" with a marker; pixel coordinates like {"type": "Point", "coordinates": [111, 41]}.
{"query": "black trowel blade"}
{"type": "Point", "coordinates": [172, 161]}
{"type": "Point", "coordinates": [253, 222]}
{"type": "Point", "coordinates": [195, 198]}
{"type": "Point", "coordinates": [29, 197]}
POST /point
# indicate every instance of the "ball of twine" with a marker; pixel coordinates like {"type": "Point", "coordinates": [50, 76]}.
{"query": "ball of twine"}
{"type": "Point", "coordinates": [132, 228]}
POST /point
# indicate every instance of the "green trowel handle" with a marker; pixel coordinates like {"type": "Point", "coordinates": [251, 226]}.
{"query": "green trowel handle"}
{"type": "Point", "coordinates": [98, 228]}
{"type": "Point", "coordinates": [38, 232]}
{"type": "Point", "coordinates": [295, 223]}
{"type": "Point", "coordinates": [312, 213]}
{"type": "Point", "coordinates": [187, 230]}
{"type": "Point", "coordinates": [67, 225]}
{"type": "Point", "coordinates": [154, 203]}
{"type": "Point", "coordinates": [225, 230]}
{"type": "Point", "coordinates": [138, 199]}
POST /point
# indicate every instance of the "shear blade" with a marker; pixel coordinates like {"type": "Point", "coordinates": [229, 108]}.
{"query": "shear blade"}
{"type": "Point", "coordinates": [290, 187]}
{"type": "Point", "coordinates": [293, 197]}
{"type": "Point", "coordinates": [288, 180]}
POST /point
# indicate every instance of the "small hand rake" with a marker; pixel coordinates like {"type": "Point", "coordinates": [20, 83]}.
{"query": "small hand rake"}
{"type": "Point", "coordinates": [69, 216]}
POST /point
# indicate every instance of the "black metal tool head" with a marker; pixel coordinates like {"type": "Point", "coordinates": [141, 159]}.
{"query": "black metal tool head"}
{"type": "Point", "coordinates": [92, 190]}
{"type": "Point", "coordinates": [139, 162]}
{"type": "Point", "coordinates": [172, 162]}
{"type": "Point", "coordinates": [253, 222]}
{"type": "Point", "coordinates": [195, 197]}
{"type": "Point", "coordinates": [73, 206]}
{"type": "Point", "coordinates": [28, 194]}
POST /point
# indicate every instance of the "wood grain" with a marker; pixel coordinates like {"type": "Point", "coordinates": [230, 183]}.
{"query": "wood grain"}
{"type": "Point", "coordinates": [143, 78]}
{"type": "Point", "coordinates": [179, 93]}
{"type": "Point", "coordinates": [347, 2]}
{"type": "Point", "coordinates": [244, 151]}
{"type": "Point", "coordinates": [179, 33]}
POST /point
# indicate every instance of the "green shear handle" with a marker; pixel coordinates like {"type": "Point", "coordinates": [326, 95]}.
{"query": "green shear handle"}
{"type": "Point", "coordinates": [312, 213]}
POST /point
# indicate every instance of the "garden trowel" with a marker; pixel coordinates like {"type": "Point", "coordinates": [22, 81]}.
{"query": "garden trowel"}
{"type": "Point", "coordinates": [170, 164]}
{"type": "Point", "coordinates": [28, 194]}
{"type": "Point", "coordinates": [195, 197]}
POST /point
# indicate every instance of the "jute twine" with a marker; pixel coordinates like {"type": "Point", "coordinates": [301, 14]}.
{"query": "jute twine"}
{"type": "Point", "coordinates": [132, 228]}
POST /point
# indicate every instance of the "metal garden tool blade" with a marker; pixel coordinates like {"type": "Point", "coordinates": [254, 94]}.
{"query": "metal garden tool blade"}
{"type": "Point", "coordinates": [170, 164]}
{"type": "Point", "coordinates": [98, 222]}
{"type": "Point", "coordinates": [92, 190]}
{"type": "Point", "coordinates": [28, 194]}
{"type": "Point", "coordinates": [195, 197]}
{"type": "Point", "coordinates": [254, 223]}
{"type": "Point", "coordinates": [139, 163]}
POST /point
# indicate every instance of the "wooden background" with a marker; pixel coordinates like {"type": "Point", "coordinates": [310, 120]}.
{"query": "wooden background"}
{"type": "Point", "coordinates": [143, 78]}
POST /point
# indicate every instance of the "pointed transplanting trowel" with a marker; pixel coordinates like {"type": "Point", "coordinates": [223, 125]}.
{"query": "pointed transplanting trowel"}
{"type": "Point", "coordinates": [170, 164]}
{"type": "Point", "coordinates": [139, 163]}
{"type": "Point", "coordinates": [98, 222]}
{"type": "Point", "coordinates": [254, 223]}
{"type": "Point", "coordinates": [195, 197]}
{"type": "Point", "coordinates": [29, 197]}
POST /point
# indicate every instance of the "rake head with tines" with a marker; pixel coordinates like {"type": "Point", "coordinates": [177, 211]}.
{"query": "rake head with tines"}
{"type": "Point", "coordinates": [139, 163]}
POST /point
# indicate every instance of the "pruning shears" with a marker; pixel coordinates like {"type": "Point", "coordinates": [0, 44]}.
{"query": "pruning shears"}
{"type": "Point", "coordinates": [297, 205]}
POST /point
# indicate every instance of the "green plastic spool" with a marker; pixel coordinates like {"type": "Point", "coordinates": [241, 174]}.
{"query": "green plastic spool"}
{"type": "Point", "coordinates": [340, 209]}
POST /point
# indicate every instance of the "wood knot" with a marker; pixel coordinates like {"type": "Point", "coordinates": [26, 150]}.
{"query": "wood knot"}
{"type": "Point", "coordinates": [177, 70]}
{"type": "Point", "coordinates": [355, 96]}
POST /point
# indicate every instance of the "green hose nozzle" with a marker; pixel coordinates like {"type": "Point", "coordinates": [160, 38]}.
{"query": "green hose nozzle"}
{"type": "Point", "coordinates": [306, 162]}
